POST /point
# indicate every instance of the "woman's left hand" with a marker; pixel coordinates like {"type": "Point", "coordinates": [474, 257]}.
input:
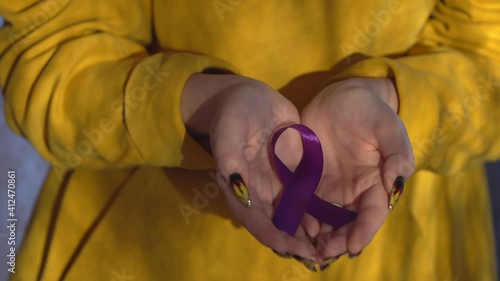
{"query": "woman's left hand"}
{"type": "Point", "coordinates": [366, 147]}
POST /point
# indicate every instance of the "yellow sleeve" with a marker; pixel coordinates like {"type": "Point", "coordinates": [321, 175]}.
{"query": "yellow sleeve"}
{"type": "Point", "coordinates": [80, 84]}
{"type": "Point", "coordinates": [448, 86]}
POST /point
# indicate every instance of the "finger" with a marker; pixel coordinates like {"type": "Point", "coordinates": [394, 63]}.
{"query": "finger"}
{"type": "Point", "coordinates": [258, 222]}
{"type": "Point", "coordinates": [371, 215]}
{"type": "Point", "coordinates": [311, 225]}
{"type": "Point", "coordinates": [301, 245]}
{"type": "Point", "coordinates": [332, 244]}
{"type": "Point", "coordinates": [232, 167]}
{"type": "Point", "coordinates": [395, 148]}
{"type": "Point", "coordinates": [227, 135]}
{"type": "Point", "coordinates": [256, 219]}
{"type": "Point", "coordinates": [231, 163]}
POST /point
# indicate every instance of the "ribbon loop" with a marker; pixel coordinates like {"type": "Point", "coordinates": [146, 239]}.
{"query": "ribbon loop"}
{"type": "Point", "coordinates": [298, 196]}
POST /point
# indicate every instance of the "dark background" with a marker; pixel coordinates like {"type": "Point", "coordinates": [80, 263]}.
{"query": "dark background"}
{"type": "Point", "coordinates": [494, 181]}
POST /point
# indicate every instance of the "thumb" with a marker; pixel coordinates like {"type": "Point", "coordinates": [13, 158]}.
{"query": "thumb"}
{"type": "Point", "coordinates": [396, 150]}
{"type": "Point", "coordinates": [228, 134]}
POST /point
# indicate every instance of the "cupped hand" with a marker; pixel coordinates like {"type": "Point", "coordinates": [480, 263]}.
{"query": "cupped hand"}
{"type": "Point", "coordinates": [240, 114]}
{"type": "Point", "coordinates": [366, 147]}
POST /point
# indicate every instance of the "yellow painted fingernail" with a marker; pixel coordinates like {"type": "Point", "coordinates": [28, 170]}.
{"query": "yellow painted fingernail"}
{"type": "Point", "coordinates": [397, 190]}
{"type": "Point", "coordinates": [240, 189]}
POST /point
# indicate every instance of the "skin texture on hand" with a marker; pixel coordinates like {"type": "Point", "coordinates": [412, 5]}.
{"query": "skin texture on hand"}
{"type": "Point", "coordinates": [366, 147]}
{"type": "Point", "coordinates": [240, 114]}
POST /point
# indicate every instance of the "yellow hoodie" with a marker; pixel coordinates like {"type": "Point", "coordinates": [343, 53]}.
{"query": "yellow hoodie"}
{"type": "Point", "coordinates": [95, 85]}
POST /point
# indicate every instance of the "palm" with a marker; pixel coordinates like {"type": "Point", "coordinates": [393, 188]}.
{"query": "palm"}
{"type": "Point", "coordinates": [353, 162]}
{"type": "Point", "coordinates": [240, 139]}
{"type": "Point", "coordinates": [351, 126]}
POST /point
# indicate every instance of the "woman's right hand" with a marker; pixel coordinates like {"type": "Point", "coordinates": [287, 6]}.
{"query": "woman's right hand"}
{"type": "Point", "coordinates": [240, 114]}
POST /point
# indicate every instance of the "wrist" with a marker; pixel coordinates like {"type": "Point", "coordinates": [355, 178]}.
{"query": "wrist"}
{"type": "Point", "coordinates": [386, 89]}
{"type": "Point", "coordinates": [204, 94]}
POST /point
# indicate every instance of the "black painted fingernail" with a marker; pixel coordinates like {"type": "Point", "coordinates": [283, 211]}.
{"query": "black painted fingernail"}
{"type": "Point", "coordinates": [338, 256]}
{"type": "Point", "coordinates": [312, 240]}
{"type": "Point", "coordinates": [353, 256]}
{"type": "Point", "coordinates": [285, 255]}
{"type": "Point", "coordinates": [326, 263]}
{"type": "Point", "coordinates": [309, 264]}
{"type": "Point", "coordinates": [240, 189]}
{"type": "Point", "coordinates": [396, 192]}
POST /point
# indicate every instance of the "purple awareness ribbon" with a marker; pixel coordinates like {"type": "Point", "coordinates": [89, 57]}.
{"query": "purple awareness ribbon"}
{"type": "Point", "coordinates": [298, 196]}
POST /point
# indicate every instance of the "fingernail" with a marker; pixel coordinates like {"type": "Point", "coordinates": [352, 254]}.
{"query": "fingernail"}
{"type": "Point", "coordinates": [353, 256]}
{"type": "Point", "coordinates": [285, 255]}
{"type": "Point", "coordinates": [338, 257]}
{"type": "Point", "coordinates": [240, 189]}
{"type": "Point", "coordinates": [309, 264]}
{"type": "Point", "coordinates": [397, 190]}
{"type": "Point", "coordinates": [327, 263]}
{"type": "Point", "coordinates": [312, 240]}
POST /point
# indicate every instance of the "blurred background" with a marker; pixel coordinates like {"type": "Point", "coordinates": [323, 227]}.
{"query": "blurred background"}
{"type": "Point", "coordinates": [17, 154]}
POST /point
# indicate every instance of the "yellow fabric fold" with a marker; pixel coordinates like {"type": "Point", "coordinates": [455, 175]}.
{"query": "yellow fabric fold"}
{"type": "Point", "coordinates": [448, 97]}
{"type": "Point", "coordinates": [128, 101]}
